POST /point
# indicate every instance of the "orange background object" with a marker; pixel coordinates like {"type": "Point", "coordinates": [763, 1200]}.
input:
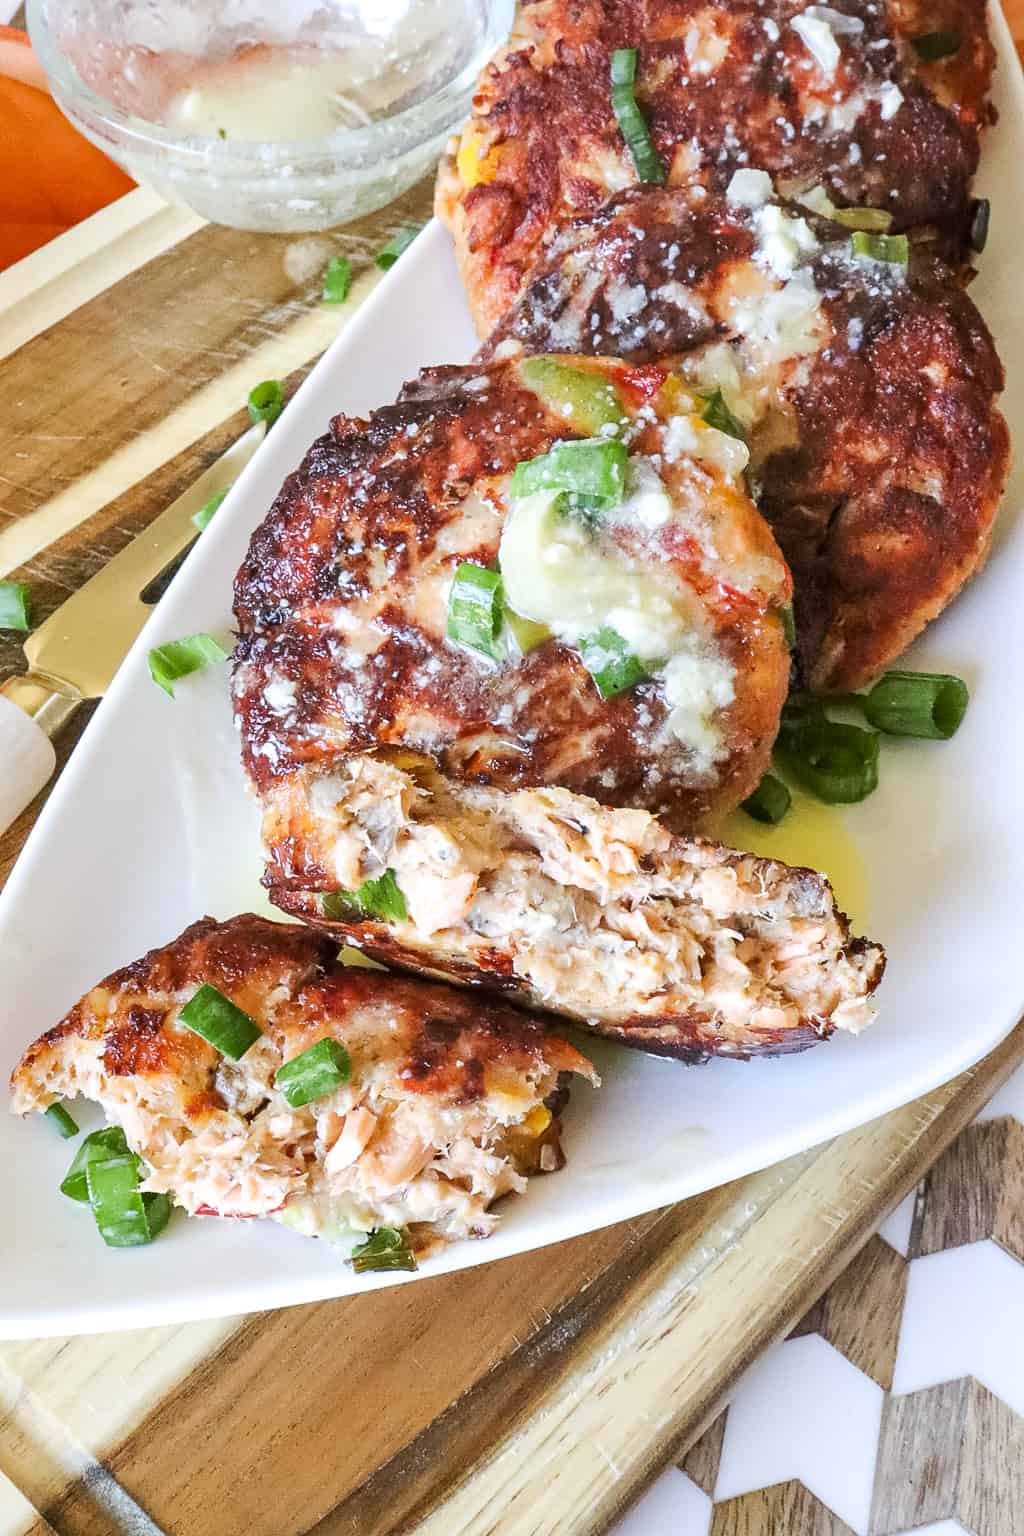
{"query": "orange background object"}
{"type": "Point", "coordinates": [50, 176]}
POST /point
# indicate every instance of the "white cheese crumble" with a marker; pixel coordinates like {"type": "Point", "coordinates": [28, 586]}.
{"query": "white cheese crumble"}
{"type": "Point", "coordinates": [696, 684]}
{"type": "Point", "coordinates": [819, 40]}
{"type": "Point", "coordinates": [279, 695]}
{"type": "Point", "coordinates": [890, 99]}
{"type": "Point", "coordinates": [783, 241]}
{"type": "Point", "coordinates": [749, 189]}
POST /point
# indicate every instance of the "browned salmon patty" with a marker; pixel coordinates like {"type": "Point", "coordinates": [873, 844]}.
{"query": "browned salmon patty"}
{"type": "Point", "coordinates": [836, 97]}
{"type": "Point", "coordinates": [448, 1105]}
{"type": "Point", "coordinates": [347, 597]}
{"type": "Point", "coordinates": [672, 945]}
{"type": "Point", "coordinates": [867, 390]}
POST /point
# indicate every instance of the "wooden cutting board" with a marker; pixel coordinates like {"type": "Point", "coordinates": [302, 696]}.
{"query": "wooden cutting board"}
{"type": "Point", "coordinates": [536, 1395]}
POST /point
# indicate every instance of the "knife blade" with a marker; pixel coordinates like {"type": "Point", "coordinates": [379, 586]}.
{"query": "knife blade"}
{"type": "Point", "coordinates": [73, 655]}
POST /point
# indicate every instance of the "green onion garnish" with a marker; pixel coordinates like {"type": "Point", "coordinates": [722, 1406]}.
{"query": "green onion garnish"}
{"type": "Point", "coordinates": [386, 258]}
{"type": "Point", "coordinates": [769, 802]}
{"type": "Point", "coordinates": [266, 401]}
{"type": "Point", "coordinates": [649, 164]}
{"type": "Point", "coordinates": [204, 517]}
{"type": "Point", "coordinates": [375, 898]}
{"type": "Point", "coordinates": [980, 214]}
{"type": "Point", "coordinates": [176, 659]}
{"type": "Point", "coordinates": [936, 45]}
{"type": "Point", "coordinates": [593, 472]}
{"type": "Point", "coordinates": [337, 280]}
{"type": "Point", "coordinates": [65, 1124]}
{"type": "Point", "coordinates": [475, 606]}
{"type": "Point", "coordinates": [14, 605]}
{"type": "Point", "coordinates": [892, 248]}
{"type": "Point", "coordinates": [216, 1018]}
{"type": "Point", "coordinates": [718, 415]}
{"type": "Point", "coordinates": [583, 398]}
{"type": "Point", "coordinates": [788, 625]}
{"type": "Point", "coordinates": [109, 1142]}
{"type": "Point", "coordinates": [930, 705]}
{"type": "Point", "coordinates": [835, 761]}
{"type": "Point", "coordinates": [126, 1218]}
{"type": "Point", "coordinates": [314, 1073]}
{"type": "Point", "coordinates": [385, 1248]}
{"type": "Point", "coordinates": [875, 220]}
{"type": "Point", "coordinates": [611, 664]}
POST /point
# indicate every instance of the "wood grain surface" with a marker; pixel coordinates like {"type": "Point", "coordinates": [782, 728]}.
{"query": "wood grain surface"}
{"type": "Point", "coordinates": [536, 1395]}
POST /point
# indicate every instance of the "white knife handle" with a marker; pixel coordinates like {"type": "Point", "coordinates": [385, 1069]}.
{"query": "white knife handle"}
{"type": "Point", "coordinates": [27, 761]}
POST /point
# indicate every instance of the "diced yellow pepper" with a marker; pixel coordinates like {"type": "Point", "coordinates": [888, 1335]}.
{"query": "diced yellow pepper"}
{"type": "Point", "coordinates": [537, 1121]}
{"type": "Point", "coordinates": [476, 165]}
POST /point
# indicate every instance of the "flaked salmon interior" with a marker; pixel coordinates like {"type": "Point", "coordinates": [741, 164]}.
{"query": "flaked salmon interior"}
{"type": "Point", "coordinates": [678, 945]}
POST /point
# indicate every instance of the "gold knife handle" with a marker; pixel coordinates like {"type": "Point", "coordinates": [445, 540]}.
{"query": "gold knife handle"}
{"type": "Point", "coordinates": [43, 699]}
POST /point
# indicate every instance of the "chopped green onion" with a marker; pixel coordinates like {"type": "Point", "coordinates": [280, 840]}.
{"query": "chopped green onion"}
{"type": "Point", "coordinates": [66, 1125]}
{"type": "Point", "coordinates": [923, 704]}
{"type": "Point", "coordinates": [204, 517]}
{"type": "Point", "coordinates": [892, 248]}
{"type": "Point", "coordinates": [876, 220]}
{"type": "Point", "coordinates": [475, 606]}
{"type": "Point", "coordinates": [611, 664]}
{"type": "Point", "coordinates": [385, 1248]}
{"type": "Point", "coordinates": [835, 761]}
{"type": "Point", "coordinates": [386, 258]}
{"type": "Point", "coordinates": [648, 163]}
{"type": "Point", "coordinates": [769, 802]}
{"type": "Point", "coordinates": [585, 398]}
{"type": "Point", "coordinates": [123, 1215]}
{"type": "Point", "coordinates": [266, 401]}
{"type": "Point", "coordinates": [980, 215]}
{"type": "Point", "coordinates": [936, 45]}
{"type": "Point", "coordinates": [109, 1142]}
{"type": "Point", "coordinates": [788, 625]}
{"type": "Point", "coordinates": [376, 898]}
{"type": "Point", "coordinates": [14, 605]}
{"type": "Point", "coordinates": [315, 1072]}
{"type": "Point", "coordinates": [337, 280]}
{"type": "Point", "coordinates": [216, 1018]}
{"type": "Point", "coordinates": [593, 472]}
{"type": "Point", "coordinates": [718, 415]}
{"type": "Point", "coordinates": [176, 659]}
{"type": "Point", "coordinates": [526, 633]}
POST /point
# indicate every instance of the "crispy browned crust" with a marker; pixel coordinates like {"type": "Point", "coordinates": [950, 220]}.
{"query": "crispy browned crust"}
{"type": "Point", "coordinates": [449, 1035]}
{"type": "Point", "coordinates": [373, 504]}
{"type": "Point", "coordinates": [690, 1036]}
{"type": "Point", "coordinates": [545, 103]}
{"type": "Point", "coordinates": [884, 495]}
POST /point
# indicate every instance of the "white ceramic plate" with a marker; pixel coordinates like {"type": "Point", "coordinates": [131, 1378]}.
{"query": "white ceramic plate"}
{"type": "Point", "coordinates": [150, 826]}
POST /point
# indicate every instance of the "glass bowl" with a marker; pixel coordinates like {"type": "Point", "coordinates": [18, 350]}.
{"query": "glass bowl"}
{"type": "Point", "coordinates": [290, 115]}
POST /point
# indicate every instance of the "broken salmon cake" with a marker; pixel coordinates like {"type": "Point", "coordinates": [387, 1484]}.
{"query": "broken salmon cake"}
{"type": "Point", "coordinates": [853, 363]}
{"type": "Point", "coordinates": [542, 570]}
{"type": "Point", "coordinates": [877, 104]}
{"type": "Point", "coordinates": [677, 946]}
{"type": "Point", "coordinates": [255, 1076]}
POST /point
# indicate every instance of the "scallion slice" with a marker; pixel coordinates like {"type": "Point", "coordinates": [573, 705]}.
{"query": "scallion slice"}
{"type": "Point", "coordinates": [126, 1218]}
{"type": "Point", "coordinates": [176, 659]}
{"type": "Point", "coordinates": [375, 898]}
{"type": "Point", "coordinates": [837, 762]}
{"type": "Point", "coordinates": [385, 1248]}
{"type": "Point", "coordinates": [769, 802]}
{"type": "Point", "coordinates": [223, 1025]}
{"type": "Point", "coordinates": [14, 605]}
{"type": "Point", "coordinates": [930, 705]}
{"type": "Point", "coordinates": [718, 415]}
{"type": "Point", "coordinates": [591, 471]}
{"type": "Point", "coordinates": [204, 517]}
{"type": "Point", "coordinates": [475, 606]}
{"type": "Point", "coordinates": [109, 1142]}
{"type": "Point", "coordinates": [980, 216]}
{"type": "Point", "coordinates": [584, 398]}
{"type": "Point", "coordinates": [936, 45]}
{"type": "Point", "coordinates": [266, 401]}
{"type": "Point", "coordinates": [65, 1125]}
{"type": "Point", "coordinates": [648, 163]}
{"type": "Point", "coordinates": [894, 249]}
{"type": "Point", "coordinates": [337, 280]}
{"type": "Point", "coordinates": [788, 625]}
{"type": "Point", "coordinates": [315, 1072]}
{"type": "Point", "coordinates": [611, 664]}
{"type": "Point", "coordinates": [398, 243]}
{"type": "Point", "coordinates": [875, 220]}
